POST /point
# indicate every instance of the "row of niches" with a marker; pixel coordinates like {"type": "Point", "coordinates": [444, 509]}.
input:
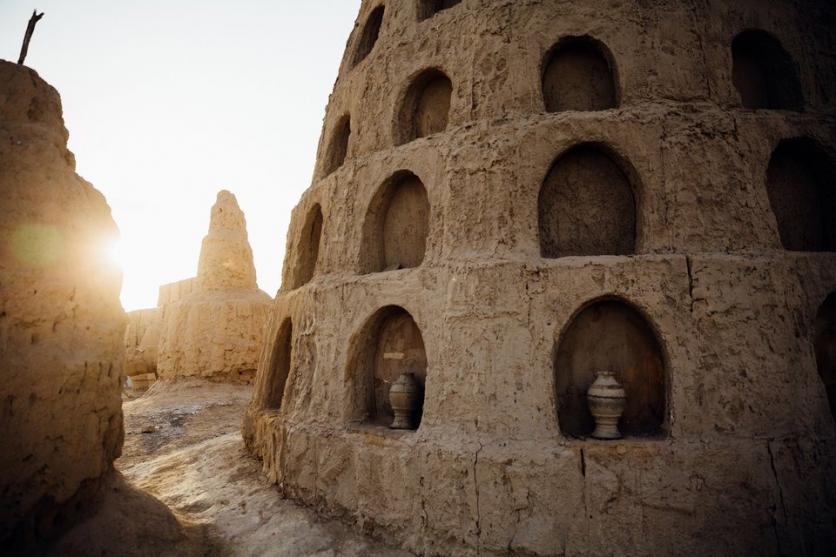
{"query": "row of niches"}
{"type": "Point", "coordinates": [580, 74]}
{"type": "Point", "coordinates": [424, 110]}
{"type": "Point", "coordinates": [587, 206]}
{"type": "Point", "coordinates": [425, 9]}
{"type": "Point", "coordinates": [608, 334]}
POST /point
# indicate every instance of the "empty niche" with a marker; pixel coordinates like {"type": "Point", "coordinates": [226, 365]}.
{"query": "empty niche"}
{"type": "Point", "coordinates": [389, 345]}
{"type": "Point", "coordinates": [428, 8]}
{"type": "Point", "coordinates": [279, 367]}
{"type": "Point", "coordinates": [825, 347]}
{"type": "Point", "coordinates": [307, 252]}
{"type": "Point", "coordinates": [609, 335]}
{"type": "Point", "coordinates": [396, 226]}
{"type": "Point", "coordinates": [801, 185]}
{"type": "Point", "coordinates": [763, 72]}
{"type": "Point", "coordinates": [425, 107]}
{"type": "Point", "coordinates": [578, 75]}
{"type": "Point", "coordinates": [586, 206]}
{"type": "Point", "coordinates": [338, 146]}
{"type": "Point", "coordinates": [371, 30]}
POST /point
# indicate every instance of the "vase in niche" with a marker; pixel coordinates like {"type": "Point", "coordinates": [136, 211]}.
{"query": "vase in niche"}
{"type": "Point", "coordinates": [606, 398]}
{"type": "Point", "coordinates": [403, 397]}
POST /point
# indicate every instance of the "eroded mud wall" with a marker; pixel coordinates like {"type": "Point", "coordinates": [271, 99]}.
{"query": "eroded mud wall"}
{"type": "Point", "coordinates": [61, 323]}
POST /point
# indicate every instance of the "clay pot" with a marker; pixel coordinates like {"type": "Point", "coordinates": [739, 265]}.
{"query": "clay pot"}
{"type": "Point", "coordinates": [403, 396]}
{"type": "Point", "coordinates": [606, 398]}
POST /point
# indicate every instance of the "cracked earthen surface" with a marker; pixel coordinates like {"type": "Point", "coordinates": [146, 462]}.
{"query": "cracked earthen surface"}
{"type": "Point", "coordinates": [743, 460]}
{"type": "Point", "coordinates": [186, 487]}
{"type": "Point", "coordinates": [61, 323]}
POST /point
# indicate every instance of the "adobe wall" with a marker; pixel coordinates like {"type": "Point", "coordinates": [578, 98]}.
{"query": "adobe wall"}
{"type": "Point", "coordinates": [217, 335]}
{"type": "Point", "coordinates": [743, 460]}
{"type": "Point", "coordinates": [61, 323]}
{"type": "Point", "coordinates": [142, 336]}
{"type": "Point", "coordinates": [175, 291]}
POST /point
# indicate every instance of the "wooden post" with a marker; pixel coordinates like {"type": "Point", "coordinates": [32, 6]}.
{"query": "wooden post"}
{"type": "Point", "coordinates": [28, 36]}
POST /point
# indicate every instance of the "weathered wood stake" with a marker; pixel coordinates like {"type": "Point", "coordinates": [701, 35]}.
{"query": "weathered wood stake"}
{"type": "Point", "coordinates": [36, 17]}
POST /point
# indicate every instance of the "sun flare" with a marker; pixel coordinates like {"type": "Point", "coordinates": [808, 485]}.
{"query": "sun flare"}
{"type": "Point", "coordinates": [112, 252]}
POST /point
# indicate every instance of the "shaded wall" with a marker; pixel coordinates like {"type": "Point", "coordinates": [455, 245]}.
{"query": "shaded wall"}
{"type": "Point", "coordinates": [61, 323]}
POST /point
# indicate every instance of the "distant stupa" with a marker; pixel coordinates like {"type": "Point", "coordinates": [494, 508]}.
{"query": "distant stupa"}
{"type": "Point", "coordinates": [216, 328]}
{"type": "Point", "coordinates": [226, 260]}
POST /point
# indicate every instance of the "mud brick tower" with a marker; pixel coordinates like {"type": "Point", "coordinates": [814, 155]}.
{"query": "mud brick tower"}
{"type": "Point", "coordinates": [512, 196]}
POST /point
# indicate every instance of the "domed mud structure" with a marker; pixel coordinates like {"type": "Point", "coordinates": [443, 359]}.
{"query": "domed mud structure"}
{"type": "Point", "coordinates": [512, 196]}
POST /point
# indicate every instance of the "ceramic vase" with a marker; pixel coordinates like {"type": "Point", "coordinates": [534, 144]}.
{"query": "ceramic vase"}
{"type": "Point", "coordinates": [606, 398]}
{"type": "Point", "coordinates": [403, 396]}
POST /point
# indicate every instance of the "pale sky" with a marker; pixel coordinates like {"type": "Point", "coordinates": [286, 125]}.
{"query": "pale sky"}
{"type": "Point", "coordinates": [169, 101]}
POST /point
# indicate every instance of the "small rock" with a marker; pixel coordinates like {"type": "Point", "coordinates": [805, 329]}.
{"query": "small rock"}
{"type": "Point", "coordinates": [149, 429]}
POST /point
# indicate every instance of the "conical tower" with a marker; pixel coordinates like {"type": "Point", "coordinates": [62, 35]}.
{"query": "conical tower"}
{"type": "Point", "coordinates": [226, 259]}
{"type": "Point", "coordinates": [217, 329]}
{"type": "Point", "coordinates": [511, 197]}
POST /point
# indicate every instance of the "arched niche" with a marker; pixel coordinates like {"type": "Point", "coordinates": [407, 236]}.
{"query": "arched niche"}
{"type": "Point", "coordinates": [389, 344]}
{"type": "Point", "coordinates": [578, 74]}
{"type": "Point", "coordinates": [338, 145]}
{"type": "Point", "coordinates": [396, 226]}
{"type": "Point", "coordinates": [307, 252]}
{"type": "Point", "coordinates": [763, 72]}
{"type": "Point", "coordinates": [425, 107]}
{"type": "Point", "coordinates": [610, 335]}
{"type": "Point", "coordinates": [428, 8]}
{"type": "Point", "coordinates": [368, 38]}
{"type": "Point", "coordinates": [279, 366]}
{"type": "Point", "coordinates": [801, 185]}
{"type": "Point", "coordinates": [586, 206]}
{"type": "Point", "coordinates": [825, 346]}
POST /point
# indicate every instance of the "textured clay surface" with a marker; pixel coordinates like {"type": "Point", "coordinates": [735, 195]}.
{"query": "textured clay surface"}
{"type": "Point", "coordinates": [213, 326]}
{"type": "Point", "coordinates": [141, 339]}
{"type": "Point", "coordinates": [733, 451]}
{"type": "Point", "coordinates": [176, 291]}
{"type": "Point", "coordinates": [586, 207]}
{"type": "Point", "coordinates": [826, 348]}
{"type": "Point", "coordinates": [578, 77]}
{"type": "Point", "coordinates": [61, 323]}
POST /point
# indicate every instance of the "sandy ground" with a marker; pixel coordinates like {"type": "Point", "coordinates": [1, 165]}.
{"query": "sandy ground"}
{"type": "Point", "coordinates": [185, 486]}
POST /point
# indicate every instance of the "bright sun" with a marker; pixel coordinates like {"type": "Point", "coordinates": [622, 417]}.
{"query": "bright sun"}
{"type": "Point", "coordinates": [112, 250]}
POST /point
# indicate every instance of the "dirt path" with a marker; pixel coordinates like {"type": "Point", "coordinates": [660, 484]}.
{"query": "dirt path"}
{"type": "Point", "coordinates": [189, 488]}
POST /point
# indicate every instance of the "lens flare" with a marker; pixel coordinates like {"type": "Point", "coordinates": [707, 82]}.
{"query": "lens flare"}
{"type": "Point", "coordinates": [112, 252]}
{"type": "Point", "coordinates": [37, 245]}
